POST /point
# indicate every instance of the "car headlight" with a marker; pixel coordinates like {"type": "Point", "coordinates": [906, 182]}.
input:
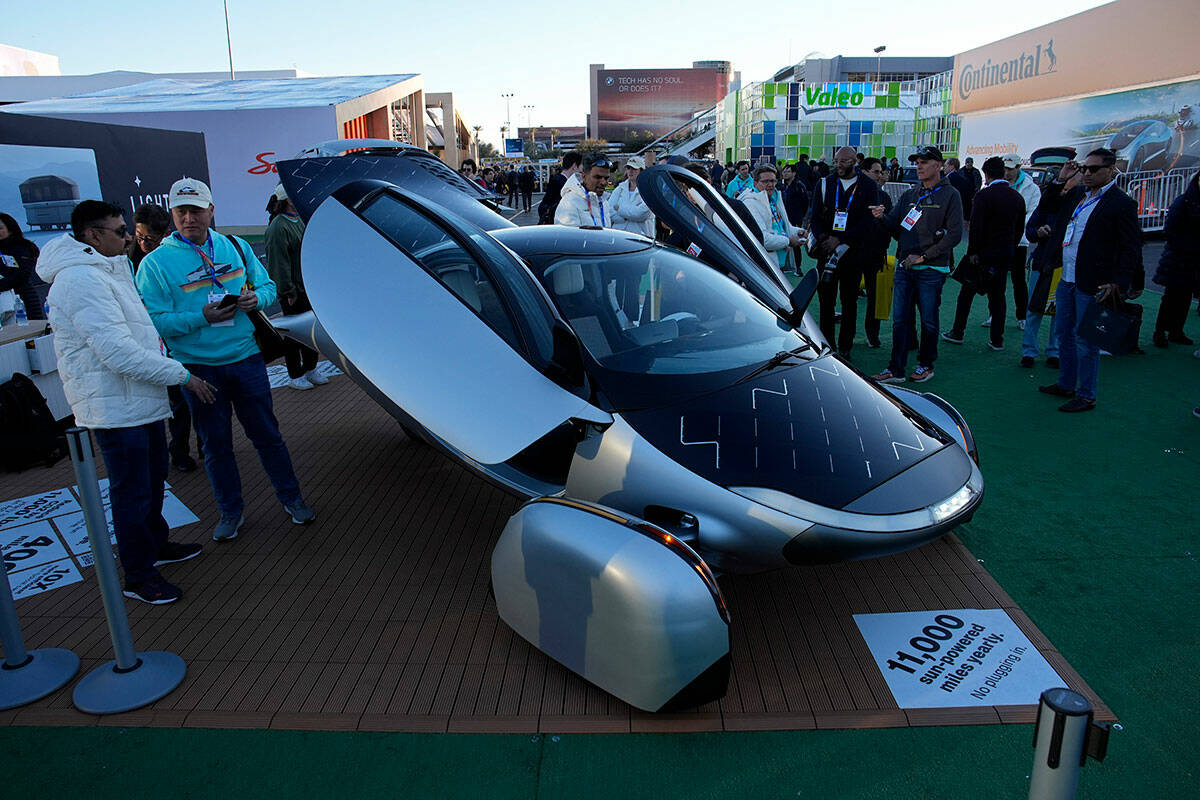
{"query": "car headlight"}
{"type": "Point", "coordinates": [954, 504]}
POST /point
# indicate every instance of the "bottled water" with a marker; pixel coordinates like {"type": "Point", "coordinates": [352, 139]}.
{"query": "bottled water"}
{"type": "Point", "coordinates": [19, 309]}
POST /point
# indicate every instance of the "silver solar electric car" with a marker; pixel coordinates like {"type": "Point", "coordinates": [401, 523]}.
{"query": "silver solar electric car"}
{"type": "Point", "coordinates": [671, 415]}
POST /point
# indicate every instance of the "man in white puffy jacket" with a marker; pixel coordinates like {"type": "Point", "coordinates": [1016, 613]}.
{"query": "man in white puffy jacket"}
{"type": "Point", "coordinates": [115, 377]}
{"type": "Point", "coordinates": [583, 203]}
{"type": "Point", "coordinates": [766, 205]}
{"type": "Point", "coordinates": [629, 210]}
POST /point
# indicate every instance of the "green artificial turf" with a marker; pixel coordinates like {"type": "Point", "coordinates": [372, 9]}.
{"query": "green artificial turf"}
{"type": "Point", "coordinates": [1087, 523]}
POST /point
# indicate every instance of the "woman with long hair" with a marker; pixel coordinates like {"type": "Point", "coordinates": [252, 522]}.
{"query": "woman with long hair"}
{"type": "Point", "coordinates": [17, 268]}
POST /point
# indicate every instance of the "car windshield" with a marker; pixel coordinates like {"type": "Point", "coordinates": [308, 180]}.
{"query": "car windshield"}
{"type": "Point", "coordinates": [659, 312]}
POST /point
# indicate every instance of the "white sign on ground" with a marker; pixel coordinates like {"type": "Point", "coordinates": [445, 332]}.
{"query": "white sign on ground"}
{"type": "Point", "coordinates": [957, 657]}
{"type": "Point", "coordinates": [44, 541]}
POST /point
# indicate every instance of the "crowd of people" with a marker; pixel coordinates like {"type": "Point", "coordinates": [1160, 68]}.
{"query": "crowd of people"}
{"type": "Point", "coordinates": [157, 324]}
{"type": "Point", "coordinates": [1079, 237]}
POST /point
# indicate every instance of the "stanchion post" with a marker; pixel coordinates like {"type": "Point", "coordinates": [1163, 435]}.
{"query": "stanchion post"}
{"type": "Point", "coordinates": [26, 675]}
{"type": "Point", "coordinates": [1065, 735]}
{"type": "Point", "coordinates": [133, 679]}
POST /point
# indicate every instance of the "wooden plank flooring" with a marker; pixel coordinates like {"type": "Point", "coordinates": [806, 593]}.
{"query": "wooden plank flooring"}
{"type": "Point", "coordinates": [378, 617]}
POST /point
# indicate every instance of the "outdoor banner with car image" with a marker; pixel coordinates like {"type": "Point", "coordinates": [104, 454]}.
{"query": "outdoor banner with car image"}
{"type": "Point", "coordinates": [1154, 128]}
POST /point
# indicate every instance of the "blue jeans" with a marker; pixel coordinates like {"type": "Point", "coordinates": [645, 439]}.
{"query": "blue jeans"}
{"type": "Point", "coordinates": [1079, 360]}
{"type": "Point", "coordinates": [243, 388]}
{"type": "Point", "coordinates": [925, 287]}
{"type": "Point", "coordinates": [1033, 325]}
{"type": "Point", "coordinates": [136, 459]}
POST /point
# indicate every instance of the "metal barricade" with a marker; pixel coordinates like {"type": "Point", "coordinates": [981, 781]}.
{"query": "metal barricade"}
{"type": "Point", "coordinates": [1154, 191]}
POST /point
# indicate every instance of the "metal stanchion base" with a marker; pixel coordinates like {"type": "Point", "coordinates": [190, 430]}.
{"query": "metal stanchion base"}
{"type": "Point", "coordinates": [104, 690]}
{"type": "Point", "coordinates": [46, 671]}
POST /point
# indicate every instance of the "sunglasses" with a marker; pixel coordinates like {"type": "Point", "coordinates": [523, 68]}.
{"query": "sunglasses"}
{"type": "Point", "coordinates": [121, 231]}
{"type": "Point", "coordinates": [1094, 168]}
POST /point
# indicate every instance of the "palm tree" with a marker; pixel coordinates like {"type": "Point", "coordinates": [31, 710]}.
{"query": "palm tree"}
{"type": "Point", "coordinates": [553, 135]}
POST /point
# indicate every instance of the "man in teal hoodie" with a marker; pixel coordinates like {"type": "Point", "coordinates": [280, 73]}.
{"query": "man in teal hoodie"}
{"type": "Point", "coordinates": [197, 287]}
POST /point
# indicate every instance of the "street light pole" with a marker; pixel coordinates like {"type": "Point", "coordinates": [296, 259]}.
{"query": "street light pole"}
{"type": "Point", "coordinates": [879, 63]}
{"type": "Point", "coordinates": [228, 40]}
{"type": "Point", "coordinates": [507, 108]}
{"type": "Point", "coordinates": [528, 116]}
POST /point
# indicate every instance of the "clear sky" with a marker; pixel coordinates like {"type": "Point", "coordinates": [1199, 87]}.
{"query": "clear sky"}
{"type": "Point", "coordinates": [538, 50]}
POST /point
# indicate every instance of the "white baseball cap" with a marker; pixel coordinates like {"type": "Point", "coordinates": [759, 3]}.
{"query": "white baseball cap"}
{"type": "Point", "coordinates": [1012, 161]}
{"type": "Point", "coordinates": [279, 193]}
{"type": "Point", "coordinates": [637, 162]}
{"type": "Point", "coordinates": [189, 192]}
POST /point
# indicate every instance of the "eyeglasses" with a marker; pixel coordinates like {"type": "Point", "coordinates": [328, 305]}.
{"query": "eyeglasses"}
{"type": "Point", "coordinates": [1094, 168]}
{"type": "Point", "coordinates": [121, 231]}
{"type": "Point", "coordinates": [146, 239]}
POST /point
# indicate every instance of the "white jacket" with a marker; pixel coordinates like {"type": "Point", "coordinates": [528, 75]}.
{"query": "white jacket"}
{"type": "Point", "coordinates": [630, 212]}
{"type": "Point", "coordinates": [573, 207]}
{"type": "Point", "coordinates": [109, 354]}
{"type": "Point", "coordinates": [1032, 195]}
{"type": "Point", "coordinates": [758, 204]}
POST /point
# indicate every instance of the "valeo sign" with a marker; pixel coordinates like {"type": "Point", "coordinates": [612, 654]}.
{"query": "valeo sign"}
{"type": "Point", "coordinates": [823, 97]}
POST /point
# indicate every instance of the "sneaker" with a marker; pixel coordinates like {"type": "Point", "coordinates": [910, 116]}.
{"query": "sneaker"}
{"type": "Point", "coordinates": [887, 376]}
{"type": "Point", "coordinates": [155, 591]}
{"type": "Point", "coordinates": [1056, 390]}
{"type": "Point", "coordinates": [227, 528]}
{"type": "Point", "coordinates": [1052, 362]}
{"type": "Point", "coordinates": [987, 323]}
{"type": "Point", "coordinates": [300, 384]}
{"type": "Point", "coordinates": [1027, 362]}
{"type": "Point", "coordinates": [1021, 324]}
{"type": "Point", "coordinates": [921, 374]}
{"type": "Point", "coordinates": [874, 344]}
{"type": "Point", "coordinates": [995, 346]}
{"type": "Point", "coordinates": [1196, 412]}
{"type": "Point", "coordinates": [1077, 404]}
{"type": "Point", "coordinates": [952, 337]}
{"type": "Point", "coordinates": [174, 552]}
{"type": "Point", "coordinates": [184, 463]}
{"type": "Point", "coordinates": [1196, 354]}
{"type": "Point", "coordinates": [315, 378]}
{"type": "Point", "coordinates": [301, 512]}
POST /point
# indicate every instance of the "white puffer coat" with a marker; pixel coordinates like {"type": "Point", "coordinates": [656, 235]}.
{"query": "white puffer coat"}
{"type": "Point", "coordinates": [630, 212]}
{"type": "Point", "coordinates": [579, 207]}
{"type": "Point", "coordinates": [109, 354]}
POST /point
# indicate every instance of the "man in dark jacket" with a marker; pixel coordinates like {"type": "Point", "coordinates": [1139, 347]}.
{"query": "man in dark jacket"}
{"type": "Point", "coordinates": [927, 221]}
{"type": "Point", "coordinates": [1038, 228]}
{"type": "Point", "coordinates": [1098, 242]}
{"type": "Point", "coordinates": [997, 222]}
{"type": "Point", "coordinates": [1179, 266]}
{"type": "Point", "coordinates": [972, 174]}
{"type": "Point", "coordinates": [526, 180]}
{"type": "Point", "coordinates": [877, 258]}
{"type": "Point", "coordinates": [841, 215]}
{"type": "Point", "coordinates": [549, 204]}
{"type": "Point", "coordinates": [966, 189]}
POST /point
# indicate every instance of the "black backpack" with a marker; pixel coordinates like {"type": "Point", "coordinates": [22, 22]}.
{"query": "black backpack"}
{"type": "Point", "coordinates": [29, 434]}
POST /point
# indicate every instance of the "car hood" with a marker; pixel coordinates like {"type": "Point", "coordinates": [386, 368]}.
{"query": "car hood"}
{"type": "Point", "coordinates": [818, 431]}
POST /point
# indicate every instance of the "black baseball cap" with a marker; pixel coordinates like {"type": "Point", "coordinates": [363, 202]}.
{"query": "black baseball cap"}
{"type": "Point", "coordinates": [928, 152]}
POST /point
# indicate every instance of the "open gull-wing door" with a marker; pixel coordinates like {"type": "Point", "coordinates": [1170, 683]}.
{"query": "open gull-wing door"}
{"type": "Point", "coordinates": [716, 229]}
{"type": "Point", "coordinates": [414, 297]}
{"type": "Point", "coordinates": [308, 181]}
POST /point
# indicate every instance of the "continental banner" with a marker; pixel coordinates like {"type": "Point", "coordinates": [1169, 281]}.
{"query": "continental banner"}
{"type": "Point", "coordinates": [1125, 43]}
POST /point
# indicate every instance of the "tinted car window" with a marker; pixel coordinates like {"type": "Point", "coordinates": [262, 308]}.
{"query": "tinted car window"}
{"type": "Point", "coordinates": [663, 313]}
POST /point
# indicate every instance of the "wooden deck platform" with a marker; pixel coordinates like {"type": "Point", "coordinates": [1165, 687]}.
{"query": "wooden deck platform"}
{"type": "Point", "coordinates": [378, 616]}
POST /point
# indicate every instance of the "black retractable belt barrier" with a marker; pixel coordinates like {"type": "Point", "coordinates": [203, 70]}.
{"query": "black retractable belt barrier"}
{"type": "Point", "coordinates": [1065, 735]}
{"type": "Point", "coordinates": [133, 679]}
{"type": "Point", "coordinates": [27, 675]}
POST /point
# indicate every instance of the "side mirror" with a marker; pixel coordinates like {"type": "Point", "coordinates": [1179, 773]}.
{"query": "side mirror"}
{"type": "Point", "coordinates": [803, 294]}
